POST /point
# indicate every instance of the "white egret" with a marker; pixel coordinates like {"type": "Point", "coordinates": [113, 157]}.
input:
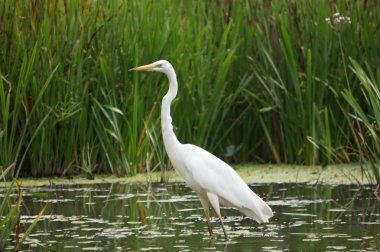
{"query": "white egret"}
{"type": "Point", "coordinates": [212, 179]}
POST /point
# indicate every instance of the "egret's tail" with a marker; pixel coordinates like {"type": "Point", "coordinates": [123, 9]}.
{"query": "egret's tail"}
{"type": "Point", "coordinates": [257, 209]}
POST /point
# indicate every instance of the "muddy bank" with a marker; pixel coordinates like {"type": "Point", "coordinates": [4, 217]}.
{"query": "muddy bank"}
{"type": "Point", "coordinates": [335, 174]}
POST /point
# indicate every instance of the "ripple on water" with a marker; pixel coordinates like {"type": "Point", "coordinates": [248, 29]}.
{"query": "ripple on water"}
{"type": "Point", "coordinates": [137, 217]}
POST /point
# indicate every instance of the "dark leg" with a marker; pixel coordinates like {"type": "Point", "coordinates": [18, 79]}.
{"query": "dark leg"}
{"type": "Point", "coordinates": [204, 202]}
{"type": "Point", "coordinates": [207, 214]}
{"type": "Point", "coordinates": [224, 230]}
{"type": "Point", "coordinates": [214, 200]}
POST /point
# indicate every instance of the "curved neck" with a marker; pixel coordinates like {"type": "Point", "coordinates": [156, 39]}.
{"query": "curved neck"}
{"type": "Point", "coordinates": [170, 139]}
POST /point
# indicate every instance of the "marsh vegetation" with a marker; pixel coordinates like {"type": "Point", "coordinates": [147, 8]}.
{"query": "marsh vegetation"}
{"type": "Point", "coordinates": [260, 81]}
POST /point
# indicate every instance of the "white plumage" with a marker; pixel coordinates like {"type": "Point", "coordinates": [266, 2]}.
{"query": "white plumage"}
{"type": "Point", "coordinates": [211, 178]}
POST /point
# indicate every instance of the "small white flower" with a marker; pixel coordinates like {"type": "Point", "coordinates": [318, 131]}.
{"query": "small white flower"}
{"type": "Point", "coordinates": [337, 19]}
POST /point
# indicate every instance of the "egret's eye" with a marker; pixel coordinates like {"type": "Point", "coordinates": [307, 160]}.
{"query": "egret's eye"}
{"type": "Point", "coordinates": [159, 65]}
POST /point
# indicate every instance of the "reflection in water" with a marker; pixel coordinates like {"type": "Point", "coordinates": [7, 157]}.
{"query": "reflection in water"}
{"type": "Point", "coordinates": [119, 217]}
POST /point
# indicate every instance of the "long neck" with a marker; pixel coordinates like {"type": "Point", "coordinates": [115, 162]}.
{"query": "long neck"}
{"type": "Point", "coordinates": [170, 139]}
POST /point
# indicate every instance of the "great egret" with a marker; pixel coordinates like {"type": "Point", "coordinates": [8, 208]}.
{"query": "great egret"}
{"type": "Point", "coordinates": [212, 179]}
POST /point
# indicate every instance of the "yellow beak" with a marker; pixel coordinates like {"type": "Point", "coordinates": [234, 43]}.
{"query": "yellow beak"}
{"type": "Point", "coordinates": [143, 68]}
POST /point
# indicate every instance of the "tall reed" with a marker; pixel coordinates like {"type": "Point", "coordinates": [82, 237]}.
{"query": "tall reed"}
{"type": "Point", "coordinates": [366, 117]}
{"type": "Point", "coordinates": [259, 82]}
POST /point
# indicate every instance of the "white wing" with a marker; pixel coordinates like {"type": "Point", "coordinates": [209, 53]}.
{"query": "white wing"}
{"type": "Point", "coordinates": [213, 175]}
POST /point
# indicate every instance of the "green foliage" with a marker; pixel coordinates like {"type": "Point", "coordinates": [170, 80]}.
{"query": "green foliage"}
{"type": "Point", "coordinates": [10, 215]}
{"type": "Point", "coordinates": [259, 81]}
{"type": "Point", "coordinates": [366, 117]}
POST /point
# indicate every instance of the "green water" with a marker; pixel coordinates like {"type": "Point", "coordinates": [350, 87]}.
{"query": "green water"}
{"type": "Point", "coordinates": [138, 217]}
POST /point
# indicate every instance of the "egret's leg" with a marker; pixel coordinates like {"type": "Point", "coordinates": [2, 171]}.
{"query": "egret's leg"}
{"type": "Point", "coordinates": [204, 203]}
{"type": "Point", "coordinates": [214, 200]}
{"type": "Point", "coordinates": [207, 214]}
{"type": "Point", "coordinates": [224, 229]}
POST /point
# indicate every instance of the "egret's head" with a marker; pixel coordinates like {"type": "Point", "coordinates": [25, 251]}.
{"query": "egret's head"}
{"type": "Point", "coordinates": [158, 66]}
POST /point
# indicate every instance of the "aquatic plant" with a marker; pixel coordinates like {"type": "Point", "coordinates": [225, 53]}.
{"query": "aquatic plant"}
{"type": "Point", "coordinates": [69, 105]}
{"type": "Point", "coordinates": [10, 215]}
{"type": "Point", "coordinates": [366, 117]}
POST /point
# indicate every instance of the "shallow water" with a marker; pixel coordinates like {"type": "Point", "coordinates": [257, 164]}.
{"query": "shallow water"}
{"type": "Point", "coordinates": [138, 217]}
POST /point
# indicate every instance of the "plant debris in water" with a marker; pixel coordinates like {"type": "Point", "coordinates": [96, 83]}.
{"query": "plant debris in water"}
{"type": "Point", "coordinates": [143, 217]}
{"type": "Point", "coordinates": [332, 175]}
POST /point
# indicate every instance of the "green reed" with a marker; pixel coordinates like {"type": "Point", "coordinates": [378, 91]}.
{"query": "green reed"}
{"type": "Point", "coordinates": [366, 117]}
{"type": "Point", "coordinates": [259, 82]}
{"type": "Point", "coordinates": [11, 226]}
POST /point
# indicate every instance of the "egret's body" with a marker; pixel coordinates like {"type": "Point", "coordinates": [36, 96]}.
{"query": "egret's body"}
{"type": "Point", "coordinates": [212, 179]}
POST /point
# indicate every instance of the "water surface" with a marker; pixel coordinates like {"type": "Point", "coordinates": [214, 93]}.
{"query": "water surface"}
{"type": "Point", "coordinates": [139, 217]}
